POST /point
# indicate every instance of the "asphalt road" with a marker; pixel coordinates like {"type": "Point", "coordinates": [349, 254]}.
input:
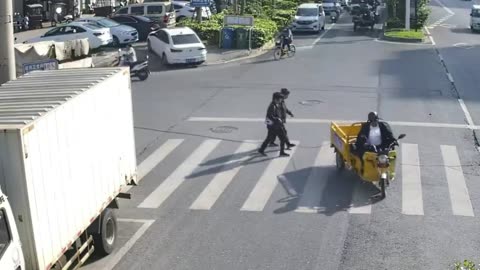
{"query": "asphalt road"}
{"type": "Point", "coordinates": [209, 202]}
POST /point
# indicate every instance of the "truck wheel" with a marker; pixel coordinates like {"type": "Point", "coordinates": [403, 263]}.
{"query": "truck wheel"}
{"type": "Point", "coordinates": [340, 164]}
{"type": "Point", "coordinates": [382, 189]}
{"type": "Point", "coordinates": [105, 241]}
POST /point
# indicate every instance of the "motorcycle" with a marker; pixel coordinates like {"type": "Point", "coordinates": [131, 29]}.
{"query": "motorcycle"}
{"type": "Point", "coordinates": [365, 19]}
{"type": "Point", "coordinates": [333, 17]}
{"type": "Point", "coordinates": [138, 69]}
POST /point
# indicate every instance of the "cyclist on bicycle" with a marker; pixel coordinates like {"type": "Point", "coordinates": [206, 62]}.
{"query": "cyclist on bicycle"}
{"type": "Point", "coordinates": [286, 38]}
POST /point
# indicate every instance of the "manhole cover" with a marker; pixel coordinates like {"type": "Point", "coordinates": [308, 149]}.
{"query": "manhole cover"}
{"type": "Point", "coordinates": [223, 129]}
{"type": "Point", "coordinates": [310, 102]}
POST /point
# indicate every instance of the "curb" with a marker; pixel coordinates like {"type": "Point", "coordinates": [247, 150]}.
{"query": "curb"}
{"type": "Point", "coordinates": [404, 40]}
{"type": "Point", "coordinates": [254, 53]}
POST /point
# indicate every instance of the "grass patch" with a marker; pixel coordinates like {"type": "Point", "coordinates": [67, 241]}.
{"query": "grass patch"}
{"type": "Point", "coordinates": [405, 34]}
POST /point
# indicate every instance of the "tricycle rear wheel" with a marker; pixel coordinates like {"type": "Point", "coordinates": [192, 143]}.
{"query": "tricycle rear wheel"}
{"type": "Point", "coordinates": [339, 161]}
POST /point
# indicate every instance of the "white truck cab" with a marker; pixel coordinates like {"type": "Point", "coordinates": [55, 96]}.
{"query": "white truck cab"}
{"type": "Point", "coordinates": [11, 256]}
{"type": "Point", "coordinates": [475, 18]}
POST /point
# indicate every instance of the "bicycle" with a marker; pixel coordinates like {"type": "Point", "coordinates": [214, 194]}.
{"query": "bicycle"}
{"type": "Point", "coordinates": [278, 53]}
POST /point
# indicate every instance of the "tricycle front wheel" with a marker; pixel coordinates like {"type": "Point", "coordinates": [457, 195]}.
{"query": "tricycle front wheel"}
{"type": "Point", "coordinates": [382, 188]}
{"type": "Point", "coordinates": [340, 164]}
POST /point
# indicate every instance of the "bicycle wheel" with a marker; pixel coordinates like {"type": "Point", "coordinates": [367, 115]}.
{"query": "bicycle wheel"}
{"type": "Point", "coordinates": [292, 51]}
{"type": "Point", "coordinates": [277, 53]}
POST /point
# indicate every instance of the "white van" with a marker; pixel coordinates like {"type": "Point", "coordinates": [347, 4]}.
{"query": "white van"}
{"type": "Point", "coordinates": [161, 12]}
{"type": "Point", "coordinates": [309, 17]}
{"type": "Point", "coordinates": [475, 18]}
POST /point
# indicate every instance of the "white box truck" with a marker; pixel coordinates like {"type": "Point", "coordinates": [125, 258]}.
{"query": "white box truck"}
{"type": "Point", "coordinates": [66, 149]}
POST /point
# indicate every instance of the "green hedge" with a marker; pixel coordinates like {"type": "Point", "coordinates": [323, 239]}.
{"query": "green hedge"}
{"type": "Point", "coordinates": [268, 21]}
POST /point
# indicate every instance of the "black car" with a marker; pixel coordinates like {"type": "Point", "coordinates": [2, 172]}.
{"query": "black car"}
{"type": "Point", "coordinates": [143, 25]}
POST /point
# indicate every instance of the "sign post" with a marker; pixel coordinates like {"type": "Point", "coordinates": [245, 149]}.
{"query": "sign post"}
{"type": "Point", "coordinates": [50, 64]}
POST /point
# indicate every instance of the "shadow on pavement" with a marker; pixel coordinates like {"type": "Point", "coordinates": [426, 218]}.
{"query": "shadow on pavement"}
{"type": "Point", "coordinates": [337, 194]}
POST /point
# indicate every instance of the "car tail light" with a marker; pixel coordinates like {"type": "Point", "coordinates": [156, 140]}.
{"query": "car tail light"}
{"type": "Point", "coordinates": [165, 18]}
{"type": "Point", "coordinates": [175, 50]}
{"type": "Point", "coordinates": [98, 34]}
{"type": "Point", "coordinates": [201, 49]}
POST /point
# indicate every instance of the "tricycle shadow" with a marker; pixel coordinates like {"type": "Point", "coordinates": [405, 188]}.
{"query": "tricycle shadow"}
{"type": "Point", "coordinates": [337, 191]}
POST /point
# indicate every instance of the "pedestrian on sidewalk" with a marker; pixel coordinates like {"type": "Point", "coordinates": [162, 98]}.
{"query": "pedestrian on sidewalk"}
{"type": "Point", "coordinates": [284, 111]}
{"type": "Point", "coordinates": [274, 125]}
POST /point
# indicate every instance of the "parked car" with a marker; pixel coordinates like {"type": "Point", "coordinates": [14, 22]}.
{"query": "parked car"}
{"type": "Point", "coordinates": [121, 34]}
{"type": "Point", "coordinates": [177, 46]}
{"type": "Point", "coordinates": [309, 17]}
{"type": "Point", "coordinates": [143, 25]}
{"type": "Point", "coordinates": [475, 18]}
{"type": "Point", "coordinates": [97, 36]}
{"type": "Point", "coordinates": [183, 10]}
{"type": "Point", "coordinates": [160, 12]}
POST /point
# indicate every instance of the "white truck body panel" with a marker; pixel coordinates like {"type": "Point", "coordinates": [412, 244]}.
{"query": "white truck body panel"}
{"type": "Point", "coordinates": [66, 149]}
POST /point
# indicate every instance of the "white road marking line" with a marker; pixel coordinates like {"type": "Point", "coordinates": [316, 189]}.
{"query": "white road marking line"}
{"type": "Point", "coordinates": [314, 186]}
{"type": "Point", "coordinates": [167, 187]}
{"type": "Point", "coordinates": [426, 30]}
{"type": "Point", "coordinates": [113, 259]}
{"type": "Point", "coordinates": [327, 121]}
{"type": "Point", "coordinates": [323, 34]}
{"type": "Point", "coordinates": [219, 183]}
{"type": "Point", "coordinates": [466, 112]}
{"type": "Point", "coordinates": [301, 48]}
{"type": "Point", "coordinates": [154, 159]}
{"type": "Point", "coordinates": [445, 8]}
{"type": "Point", "coordinates": [450, 78]}
{"type": "Point", "coordinates": [412, 198]}
{"type": "Point", "coordinates": [461, 204]}
{"type": "Point", "coordinates": [360, 199]}
{"type": "Point", "coordinates": [432, 40]}
{"type": "Point", "coordinates": [265, 186]}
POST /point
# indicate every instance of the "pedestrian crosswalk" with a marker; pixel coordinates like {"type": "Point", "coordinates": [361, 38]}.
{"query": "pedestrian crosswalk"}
{"type": "Point", "coordinates": [320, 173]}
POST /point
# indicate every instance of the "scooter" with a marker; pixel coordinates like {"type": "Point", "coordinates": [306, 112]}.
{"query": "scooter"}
{"type": "Point", "coordinates": [333, 17]}
{"type": "Point", "coordinates": [138, 69]}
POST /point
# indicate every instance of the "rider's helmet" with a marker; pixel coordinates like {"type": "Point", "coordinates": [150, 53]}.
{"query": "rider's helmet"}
{"type": "Point", "coordinates": [284, 92]}
{"type": "Point", "coordinates": [372, 116]}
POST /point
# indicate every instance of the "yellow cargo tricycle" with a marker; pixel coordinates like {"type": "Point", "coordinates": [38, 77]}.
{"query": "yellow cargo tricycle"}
{"type": "Point", "coordinates": [378, 164]}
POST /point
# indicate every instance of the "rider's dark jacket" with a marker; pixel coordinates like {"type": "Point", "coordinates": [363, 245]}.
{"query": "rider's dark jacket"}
{"type": "Point", "coordinates": [385, 130]}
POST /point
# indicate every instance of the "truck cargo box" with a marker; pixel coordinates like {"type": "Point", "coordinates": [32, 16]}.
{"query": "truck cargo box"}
{"type": "Point", "coordinates": [66, 149]}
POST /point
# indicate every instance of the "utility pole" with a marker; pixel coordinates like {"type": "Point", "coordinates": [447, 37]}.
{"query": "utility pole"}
{"type": "Point", "coordinates": [407, 14]}
{"type": "Point", "coordinates": [7, 53]}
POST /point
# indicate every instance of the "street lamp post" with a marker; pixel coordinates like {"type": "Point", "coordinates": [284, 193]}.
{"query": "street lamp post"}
{"type": "Point", "coordinates": [7, 53]}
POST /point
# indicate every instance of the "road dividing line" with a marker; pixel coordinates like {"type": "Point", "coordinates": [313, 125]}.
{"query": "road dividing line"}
{"type": "Point", "coordinates": [264, 188]}
{"type": "Point", "coordinates": [164, 190]}
{"type": "Point", "coordinates": [450, 78]}
{"type": "Point", "coordinates": [219, 183]}
{"type": "Point", "coordinates": [323, 34]}
{"type": "Point", "coordinates": [466, 112]}
{"type": "Point", "coordinates": [328, 121]}
{"type": "Point", "coordinates": [314, 186]}
{"type": "Point", "coordinates": [461, 204]}
{"type": "Point", "coordinates": [445, 8]}
{"type": "Point", "coordinates": [154, 159]}
{"type": "Point", "coordinates": [412, 199]}
{"type": "Point", "coordinates": [113, 259]}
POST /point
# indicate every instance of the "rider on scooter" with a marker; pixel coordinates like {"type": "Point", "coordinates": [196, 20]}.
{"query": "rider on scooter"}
{"type": "Point", "coordinates": [130, 55]}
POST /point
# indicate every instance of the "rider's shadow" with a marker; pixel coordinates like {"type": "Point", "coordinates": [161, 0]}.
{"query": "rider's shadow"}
{"type": "Point", "coordinates": [328, 193]}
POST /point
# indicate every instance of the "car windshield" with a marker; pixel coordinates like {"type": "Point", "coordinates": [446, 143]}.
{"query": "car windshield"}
{"type": "Point", "coordinates": [108, 23]}
{"type": "Point", "coordinates": [185, 39]}
{"type": "Point", "coordinates": [328, 1]}
{"type": "Point", "coordinates": [476, 13]}
{"type": "Point", "coordinates": [307, 12]}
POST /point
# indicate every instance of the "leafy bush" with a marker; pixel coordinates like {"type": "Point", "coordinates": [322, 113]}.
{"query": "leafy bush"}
{"type": "Point", "coordinates": [465, 265]}
{"type": "Point", "coordinates": [206, 30]}
{"type": "Point", "coordinates": [263, 32]}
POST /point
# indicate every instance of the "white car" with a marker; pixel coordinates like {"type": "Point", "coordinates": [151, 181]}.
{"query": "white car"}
{"type": "Point", "coordinates": [177, 46]}
{"type": "Point", "coordinates": [475, 18]}
{"type": "Point", "coordinates": [183, 10]}
{"type": "Point", "coordinates": [97, 37]}
{"type": "Point", "coordinates": [121, 34]}
{"type": "Point", "coordinates": [309, 17]}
